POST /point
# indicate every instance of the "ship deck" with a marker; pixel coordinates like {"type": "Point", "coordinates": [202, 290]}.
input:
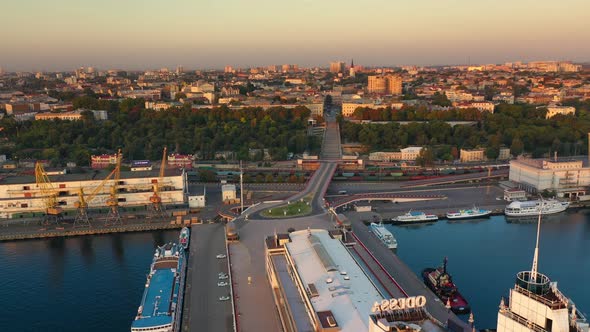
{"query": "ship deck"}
{"type": "Point", "coordinates": [158, 300]}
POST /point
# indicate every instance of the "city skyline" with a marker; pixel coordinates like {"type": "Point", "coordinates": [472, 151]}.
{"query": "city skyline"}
{"type": "Point", "coordinates": [135, 35]}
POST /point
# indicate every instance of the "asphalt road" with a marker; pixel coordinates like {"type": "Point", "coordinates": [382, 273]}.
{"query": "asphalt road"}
{"type": "Point", "coordinates": [256, 310]}
{"type": "Point", "coordinates": [317, 185]}
{"type": "Point", "coordinates": [203, 310]}
{"type": "Point", "coordinates": [456, 198]}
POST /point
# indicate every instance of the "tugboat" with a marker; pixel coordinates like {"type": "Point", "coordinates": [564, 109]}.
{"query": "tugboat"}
{"type": "Point", "coordinates": [441, 283]}
{"type": "Point", "coordinates": [184, 237]}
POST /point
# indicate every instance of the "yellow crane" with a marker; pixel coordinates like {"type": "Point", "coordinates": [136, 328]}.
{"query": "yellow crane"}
{"type": "Point", "coordinates": [53, 213]}
{"type": "Point", "coordinates": [82, 219]}
{"type": "Point", "coordinates": [157, 209]}
{"type": "Point", "coordinates": [113, 216]}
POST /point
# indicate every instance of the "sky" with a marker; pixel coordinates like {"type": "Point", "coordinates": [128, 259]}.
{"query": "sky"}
{"type": "Point", "coordinates": [49, 35]}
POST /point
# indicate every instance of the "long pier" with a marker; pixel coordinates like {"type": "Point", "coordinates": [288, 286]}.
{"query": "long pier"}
{"type": "Point", "coordinates": [27, 234]}
{"type": "Point", "coordinates": [404, 279]}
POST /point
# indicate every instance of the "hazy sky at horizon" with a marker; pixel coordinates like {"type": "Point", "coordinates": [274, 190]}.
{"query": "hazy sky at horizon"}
{"type": "Point", "coordinates": [142, 34]}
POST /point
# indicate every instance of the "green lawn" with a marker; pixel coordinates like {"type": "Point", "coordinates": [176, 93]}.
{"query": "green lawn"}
{"type": "Point", "coordinates": [294, 209]}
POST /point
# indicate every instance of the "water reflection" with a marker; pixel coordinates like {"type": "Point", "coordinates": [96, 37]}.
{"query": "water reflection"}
{"type": "Point", "coordinates": [467, 221]}
{"type": "Point", "coordinates": [415, 226]}
{"type": "Point", "coordinates": [57, 256]}
{"type": "Point", "coordinates": [87, 250]}
{"type": "Point", "coordinates": [553, 218]}
{"type": "Point", "coordinates": [158, 238]}
{"type": "Point", "coordinates": [118, 247]}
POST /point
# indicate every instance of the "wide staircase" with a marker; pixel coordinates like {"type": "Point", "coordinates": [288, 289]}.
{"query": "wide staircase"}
{"type": "Point", "coordinates": [331, 146]}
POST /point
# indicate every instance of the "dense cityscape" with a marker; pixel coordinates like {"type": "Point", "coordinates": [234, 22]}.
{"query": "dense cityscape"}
{"type": "Point", "coordinates": [417, 167]}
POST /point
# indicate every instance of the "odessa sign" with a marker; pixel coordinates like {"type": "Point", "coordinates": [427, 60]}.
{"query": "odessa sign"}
{"type": "Point", "coordinates": [400, 304]}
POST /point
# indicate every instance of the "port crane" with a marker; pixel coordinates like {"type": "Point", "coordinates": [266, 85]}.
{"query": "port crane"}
{"type": "Point", "coordinates": [113, 216]}
{"type": "Point", "coordinates": [82, 219]}
{"type": "Point", "coordinates": [53, 213]}
{"type": "Point", "coordinates": [156, 207]}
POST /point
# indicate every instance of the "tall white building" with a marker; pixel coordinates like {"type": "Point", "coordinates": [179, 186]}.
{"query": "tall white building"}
{"type": "Point", "coordinates": [566, 177]}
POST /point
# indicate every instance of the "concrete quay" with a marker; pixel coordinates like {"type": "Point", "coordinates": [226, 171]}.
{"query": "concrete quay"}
{"type": "Point", "coordinates": [404, 277]}
{"type": "Point", "coordinates": [29, 232]}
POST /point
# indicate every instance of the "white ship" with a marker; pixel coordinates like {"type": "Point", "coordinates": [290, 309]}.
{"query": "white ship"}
{"type": "Point", "coordinates": [533, 208]}
{"type": "Point", "coordinates": [536, 304]}
{"type": "Point", "coordinates": [468, 214]}
{"type": "Point", "coordinates": [415, 217]}
{"type": "Point", "coordinates": [384, 235]}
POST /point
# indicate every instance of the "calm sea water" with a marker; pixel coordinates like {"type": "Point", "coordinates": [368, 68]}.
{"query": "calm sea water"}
{"type": "Point", "coordinates": [76, 284]}
{"type": "Point", "coordinates": [485, 255]}
{"type": "Point", "coordinates": [96, 283]}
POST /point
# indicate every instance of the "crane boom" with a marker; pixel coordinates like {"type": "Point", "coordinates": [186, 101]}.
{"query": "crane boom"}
{"type": "Point", "coordinates": [52, 210]}
{"type": "Point", "coordinates": [163, 166]}
{"type": "Point", "coordinates": [157, 210]}
{"type": "Point", "coordinates": [82, 218]}
{"type": "Point", "coordinates": [113, 216]}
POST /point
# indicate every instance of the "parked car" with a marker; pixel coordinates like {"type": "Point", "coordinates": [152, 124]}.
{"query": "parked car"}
{"type": "Point", "coordinates": [222, 284]}
{"type": "Point", "coordinates": [222, 277]}
{"type": "Point", "coordinates": [223, 298]}
{"type": "Point", "coordinates": [220, 256]}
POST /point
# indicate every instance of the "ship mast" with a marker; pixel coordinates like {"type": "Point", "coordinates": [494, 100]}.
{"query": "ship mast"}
{"type": "Point", "coordinates": [536, 254]}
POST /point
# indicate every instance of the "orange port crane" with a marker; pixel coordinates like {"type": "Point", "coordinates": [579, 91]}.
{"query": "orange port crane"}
{"type": "Point", "coordinates": [82, 219]}
{"type": "Point", "coordinates": [157, 209]}
{"type": "Point", "coordinates": [53, 213]}
{"type": "Point", "coordinates": [113, 216]}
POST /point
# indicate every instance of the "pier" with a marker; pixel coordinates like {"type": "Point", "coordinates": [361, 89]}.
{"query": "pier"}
{"type": "Point", "coordinates": [32, 230]}
{"type": "Point", "coordinates": [397, 272]}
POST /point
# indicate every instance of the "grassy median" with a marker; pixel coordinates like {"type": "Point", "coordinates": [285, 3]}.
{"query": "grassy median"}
{"type": "Point", "coordinates": [297, 208]}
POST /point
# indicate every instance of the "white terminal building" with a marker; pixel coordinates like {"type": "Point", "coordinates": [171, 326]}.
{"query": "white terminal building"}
{"type": "Point", "coordinates": [568, 177]}
{"type": "Point", "coordinates": [20, 196]}
{"type": "Point", "coordinates": [318, 286]}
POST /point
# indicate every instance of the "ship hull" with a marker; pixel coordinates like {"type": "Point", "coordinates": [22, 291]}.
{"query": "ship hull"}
{"type": "Point", "coordinates": [471, 216]}
{"type": "Point", "coordinates": [380, 232]}
{"type": "Point", "coordinates": [162, 300]}
{"type": "Point", "coordinates": [397, 221]}
{"type": "Point", "coordinates": [545, 208]}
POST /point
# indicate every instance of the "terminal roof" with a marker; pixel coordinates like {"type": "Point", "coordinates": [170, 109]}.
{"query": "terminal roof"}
{"type": "Point", "coordinates": [338, 281]}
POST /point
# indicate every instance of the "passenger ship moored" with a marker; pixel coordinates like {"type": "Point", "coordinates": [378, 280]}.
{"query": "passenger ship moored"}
{"type": "Point", "coordinates": [161, 304]}
{"type": "Point", "coordinates": [533, 208]}
{"type": "Point", "coordinates": [384, 235]}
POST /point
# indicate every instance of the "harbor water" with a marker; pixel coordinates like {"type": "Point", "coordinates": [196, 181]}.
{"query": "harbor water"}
{"type": "Point", "coordinates": [486, 254]}
{"type": "Point", "coordinates": [90, 283]}
{"type": "Point", "coordinates": [95, 283]}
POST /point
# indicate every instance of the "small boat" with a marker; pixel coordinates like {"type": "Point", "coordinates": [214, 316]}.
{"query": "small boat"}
{"type": "Point", "coordinates": [184, 238]}
{"type": "Point", "coordinates": [441, 283]}
{"type": "Point", "coordinates": [415, 217]}
{"type": "Point", "coordinates": [384, 235]}
{"type": "Point", "coordinates": [468, 214]}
